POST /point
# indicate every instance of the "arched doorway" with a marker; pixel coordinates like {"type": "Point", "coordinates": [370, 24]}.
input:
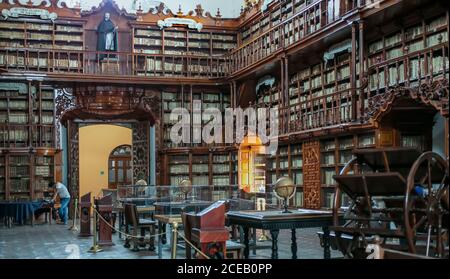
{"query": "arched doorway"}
{"type": "Point", "coordinates": [252, 165]}
{"type": "Point", "coordinates": [120, 170]}
{"type": "Point", "coordinates": [137, 107]}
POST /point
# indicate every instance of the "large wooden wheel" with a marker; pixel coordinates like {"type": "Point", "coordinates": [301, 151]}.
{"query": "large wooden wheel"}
{"type": "Point", "coordinates": [426, 206]}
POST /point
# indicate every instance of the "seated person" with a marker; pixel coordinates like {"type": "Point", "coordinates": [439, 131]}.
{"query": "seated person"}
{"type": "Point", "coordinates": [64, 197]}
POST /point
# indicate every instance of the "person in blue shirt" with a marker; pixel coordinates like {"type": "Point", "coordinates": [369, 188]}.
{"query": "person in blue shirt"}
{"type": "Point", "coordinates": [64, 197]}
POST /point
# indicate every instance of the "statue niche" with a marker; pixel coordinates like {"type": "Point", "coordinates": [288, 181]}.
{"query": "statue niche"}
{"type": "Point", "coordinates": [108, 39]}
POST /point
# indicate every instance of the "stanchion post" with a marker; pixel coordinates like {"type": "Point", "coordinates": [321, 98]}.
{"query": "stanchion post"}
{"type": "Point", "coordinates": [174, 240]}
{"type": "Point", "coordinates": [74, 225]}
{"type": "Point", "coordinates": [95, 247]}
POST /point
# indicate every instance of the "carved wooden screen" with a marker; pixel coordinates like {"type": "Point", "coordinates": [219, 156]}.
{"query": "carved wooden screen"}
{"type": "Point", "coordinates": [141, 151]}
{"type": "Point", "coordinates": [311, 175]}
{"type": "Point", "coordinates": [74, 144]}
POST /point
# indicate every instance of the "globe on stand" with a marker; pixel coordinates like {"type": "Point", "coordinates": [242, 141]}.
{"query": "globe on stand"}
{"type": "Point", "coordinates": [284, 190]}
{"type": "Point", "coordinates": [186, 188]}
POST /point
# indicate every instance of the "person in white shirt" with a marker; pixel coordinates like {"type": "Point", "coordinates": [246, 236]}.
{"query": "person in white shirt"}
{"type": "Point", "coordinates": [64, 197]}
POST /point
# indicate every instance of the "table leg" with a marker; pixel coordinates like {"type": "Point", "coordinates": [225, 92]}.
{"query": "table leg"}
{"type": "Point", "coordinates": [274, 234]}
{"type": "Point", "coordinates": [294, 245]}
{"type": "Point", "coordinates": [254, 241]}
{"type": "Point", "coordinates": [246, 242]}
{"type": "Point", "coordinates": [326, 242]}
{"type": "Point", "coordinates": [120, 224]}
{"type": "Point", "coordinates": [159, 240]}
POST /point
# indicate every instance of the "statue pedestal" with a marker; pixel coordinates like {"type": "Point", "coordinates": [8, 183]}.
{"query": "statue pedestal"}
{"type": "Point", "coordinates": [110, 66]}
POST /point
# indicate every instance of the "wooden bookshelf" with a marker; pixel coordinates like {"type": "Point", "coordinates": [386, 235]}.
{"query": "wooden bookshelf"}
{"type": "Point", "coordinates": [421, 42]}
{"type": "Point", "coordinates": [37, 35]}
{"type": "Point", "coordinates": [2, 178]}
{"type": "Point", "coordinates": [27, 114]}
{"type": "Point", "coordinates": [320, 94]}
{"type": "Point", "coordinates": [178, 169]}
{"type": "Point", "coordinates": [335, 153]}
{"type": "Point", "coordinates": [179, 42]}
{"type": "Point", "coordinates": [183, 99]}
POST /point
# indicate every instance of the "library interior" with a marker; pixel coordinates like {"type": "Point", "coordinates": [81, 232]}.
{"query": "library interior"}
{"type": "Point", "coordinates": [238, 129]}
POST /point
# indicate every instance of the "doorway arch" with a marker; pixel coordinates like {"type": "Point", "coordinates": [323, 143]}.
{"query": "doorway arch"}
{"type": "Point", "coordinates": [120, 167]}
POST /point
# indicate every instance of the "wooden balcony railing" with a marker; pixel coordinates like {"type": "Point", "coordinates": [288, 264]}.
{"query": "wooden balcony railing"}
{"type": "Point", "coordinates": [116, 64]}
{"type": "Point", "coordinates": [309, 20]}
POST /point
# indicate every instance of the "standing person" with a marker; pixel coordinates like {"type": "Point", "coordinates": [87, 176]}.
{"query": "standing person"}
{"type": "Point", "coordinates": [64, 197]}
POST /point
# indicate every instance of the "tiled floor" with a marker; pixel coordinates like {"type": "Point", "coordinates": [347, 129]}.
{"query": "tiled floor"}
{"type": "Point", "coordinates": [57, 242]}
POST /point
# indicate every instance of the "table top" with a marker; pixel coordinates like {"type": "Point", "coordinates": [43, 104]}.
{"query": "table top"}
{"type": "Point", "coordinates": [181, 204]}
{"type": "Point", "coordinates": [169, 219]}
{"type": "Point", "coordinates": [276, 219]}
{"type": "Point", "coordinates": [140, 209]}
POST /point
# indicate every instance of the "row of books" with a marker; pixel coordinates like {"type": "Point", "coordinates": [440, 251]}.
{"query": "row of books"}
{"type": "Point", "coordinates": [327, 176]}
{"type": "Point", "coordinates": [43, 160]}
{"type": "Point", "coordinates": [220, 159]}
{"type": "Point", "coordinates": [415, 141]}
{"type": "Point", "coordinates": [20, 185]}
{"type": "Point", "coordinates": [198, 44]}
{"type": "Point", "coordinates": [11, 44]}
{"type": "Point", "coordinates": [14, 104]}
{"type": "Point", "coordinates": [173, 43]}
{"type": "Point", "coordinates": [179, 168]}
{"type": "Point", "coordinates": [41, 26]}
{"type": "Point", "coordinates": [69, 28]}
{"type": "Point", "coordinates": [12, 35]}
{"type": "Point", "coordinates": [200, 168]}
{"type": "Point", "coordinates": [221, 168]}
{"type": "Point", "coordinates": [328, 159]}
{"type": "Point", "coordinates": [19, 160]}
{"type": "Point", "coordinates": [14, 135]}
{"type": "Point", "coordinates": [40, 36]}
{"type": "Point", "coordinates": [43, 171]}
{"type": "Point", "coordinates": [148, 51]}
{"type": "Point", "coordinates": [147, 32]}
{"type": "Point", "coordinates": [19, 171]}
{"type": "Point", "coordinates": [202, 180]}
{"type": "Point", "coordinates": [147, 41]}
{"type": "Point", "coordinates": [224, 46]}
{"type": "Point", "coordinates": [69, 38]}
{"type": "Point", "coordinates": [220, 181]}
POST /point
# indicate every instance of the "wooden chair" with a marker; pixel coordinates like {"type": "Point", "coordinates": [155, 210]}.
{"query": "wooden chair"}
{"type": "Point", "coordinates": [234, 250]}
{"type": "Point", "coordinates": [132, 220]}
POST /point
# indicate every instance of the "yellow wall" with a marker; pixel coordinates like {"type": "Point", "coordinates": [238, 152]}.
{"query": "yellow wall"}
{"type": "Point", "coordinates": [96, 144]}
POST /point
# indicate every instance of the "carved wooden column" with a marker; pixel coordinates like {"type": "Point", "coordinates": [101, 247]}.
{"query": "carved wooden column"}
{"type": "Point", "coordinates": [141, 144]}
{"type": "Point", "coordinates": [311, 175]}
{"type": "Point", "coordinates": [361, 68]}
{"type": "Point", "coordinates": [353, 74]}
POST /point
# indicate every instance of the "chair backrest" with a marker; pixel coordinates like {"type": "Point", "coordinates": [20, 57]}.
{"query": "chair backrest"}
{"type": "Point", "coordinates": [130, 214]}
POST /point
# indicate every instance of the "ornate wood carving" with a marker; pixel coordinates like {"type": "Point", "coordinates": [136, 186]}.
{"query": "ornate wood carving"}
{"type": "Point", "coordinates": [433, 94]}
{"type": "Point", "coordinates": [141, 151]}
{"type": "Point", "coordinates": [73, 136]}
{"type": "Point", "coordinates": [311, 175]}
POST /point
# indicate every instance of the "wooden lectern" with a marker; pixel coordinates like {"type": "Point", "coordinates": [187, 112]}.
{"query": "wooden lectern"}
{"type": "Point", "coordinates": [85, 216]}
{"type": "Point", "coordinates": [207, 230]}
{"type": "Point", "coordinates": [104, 207]}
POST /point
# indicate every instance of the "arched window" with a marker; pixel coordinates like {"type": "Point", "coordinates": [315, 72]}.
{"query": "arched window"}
{"type": "Point", "coordinates": [120, 170]}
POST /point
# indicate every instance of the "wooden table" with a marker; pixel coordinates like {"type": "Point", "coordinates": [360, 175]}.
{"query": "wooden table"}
{"type": "Point", "coordinates": [162, 221]}
{"type": "Point", "coordinates": [274, 221]}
